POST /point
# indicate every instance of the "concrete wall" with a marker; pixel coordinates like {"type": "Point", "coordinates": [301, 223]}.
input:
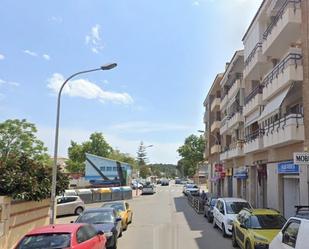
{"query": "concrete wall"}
{"type": "Point", "coordinates": [18, 218]}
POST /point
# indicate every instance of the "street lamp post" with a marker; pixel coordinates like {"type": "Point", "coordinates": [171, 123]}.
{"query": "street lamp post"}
{"type": "Point", "coordinates": [54, 171]}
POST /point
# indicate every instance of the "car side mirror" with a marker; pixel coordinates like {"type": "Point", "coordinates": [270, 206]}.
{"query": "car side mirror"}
{"type": "Point", "coordinates": [100, 232]}
{"type": "Point", "coordinates": [118, 219]}
{"type": "Point", "coordinates": [243, 226]}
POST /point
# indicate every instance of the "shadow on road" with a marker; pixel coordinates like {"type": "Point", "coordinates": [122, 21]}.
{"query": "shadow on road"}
{"type": "Point", "coordinates": [210, 238]}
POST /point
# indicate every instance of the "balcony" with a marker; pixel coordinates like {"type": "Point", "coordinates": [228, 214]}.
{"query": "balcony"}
{"type": "Point", "coordinates": [284, 30]}
{"type": "Point", "coordinates": [224, 126]}
{"type": "Point", "coordinates": [215, 126]}
{"type": "Point", "coordinates": [287, 130]}
{"type": "Point", "coordinates": [235, 88]}
{"type": "Point", "coordinates": [223, 102]}
{"type": "Point", "coordinates": [235, 119]}
{"type": "Point", "coordinates": [254, 63]}
{"type": "Point", "coordinates": [253, 100]}
{"type": "Point", "coordinates": [215, 105]}
{"type": "Point", "coordinates": [254, 142]}
{"type": "Point", "coordinates": [215, 149]}
{"type": "Point", "coordinates": [224, 155]}
{"type": "Point", "coordinates": [289, 70]}
{"type": "Point", "coordinates": [236, 151]}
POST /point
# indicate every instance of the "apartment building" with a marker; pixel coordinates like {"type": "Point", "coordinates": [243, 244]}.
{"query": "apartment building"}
{"type": "Point", "coordinates": [212, 121]}
{"type": "Point", "coordinates": [262, 112]}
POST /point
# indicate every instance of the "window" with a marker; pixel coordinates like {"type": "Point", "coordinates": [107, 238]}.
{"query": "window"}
{"type": "Point", "coordinates": [114, 168]}
{"type": "Point", "coordinates": [109, 168]}
{"type": "Point", "coordinates": [289, 234]}
{"type": "Point", "coordinates": [103, 168]}
{"type": "Point", "coordinates": [90, 231]}
{"type": "Point", "coordinates": [81, 235]}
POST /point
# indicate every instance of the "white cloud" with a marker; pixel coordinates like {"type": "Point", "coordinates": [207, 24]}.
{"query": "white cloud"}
{"type": "Point", "coordinates": [2, 57]}
{"type": "Point", "coordinates": [56, 19]}
{"type": "Point", "coordinates": [9, 83]}
{"type": "Point", "coordinates": [146, 127]}
{"type": "Point", "coordinates": [31, 53]}
{"type": "Point", "coordinates": [159, 153]}
{"type": "Point", "coordinates": [88, 90]}
{"type": "Point", "coordinates": [46, 57]}
{"type": "Point", "coordinates": [93, 40]}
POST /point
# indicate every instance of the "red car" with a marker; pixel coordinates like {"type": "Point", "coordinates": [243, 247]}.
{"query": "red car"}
{"type": "Point", "coordinates": [64, 236]}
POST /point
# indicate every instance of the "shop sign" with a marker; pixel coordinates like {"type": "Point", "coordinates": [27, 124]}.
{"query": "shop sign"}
{"type": "Point", "coordinates": [218, 167]}
{"type": "Point", "coordinates": [288, 167]}
{"type": "Point", "coordinates": [241, 174]}
{"type": "Point", "coordinates": [301, 158]}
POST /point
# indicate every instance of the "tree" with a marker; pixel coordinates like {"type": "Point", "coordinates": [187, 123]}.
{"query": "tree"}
{"type": "Point", "coordinates": [96, 145]}
{"type": "Point", "coordinates": [144, 171]}
{"type": "Point", "coordinates": [27, 179]}
{"type": "Point", "coordinates": [141, 155]}
{"type": "Point", "coordinates": [123, 157]}
{"type": "Point", "coordinates": [17, 137]}
{"type": "Point", "coordinates": [191, 154]}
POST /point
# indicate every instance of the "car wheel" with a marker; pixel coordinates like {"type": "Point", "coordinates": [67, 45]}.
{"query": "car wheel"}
{"type": "Point", "coordinates": [248, 245]}
{"type": "Point", "coordinates": [78, 210]}
{"type": "Point", "coordinates": [214, 224]}
{"type": "Point", "coordinates": [234, 241]}
{"type": "Point", "coordinates": [223, 231]}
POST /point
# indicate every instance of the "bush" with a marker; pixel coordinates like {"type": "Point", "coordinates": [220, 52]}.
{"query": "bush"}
{"type": "Point", "coordinates": [26, 179]}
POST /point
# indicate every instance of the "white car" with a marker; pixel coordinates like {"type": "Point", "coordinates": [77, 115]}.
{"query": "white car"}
{"type": "Point", "coordinates": [191, 187]}
{"type": "Point", "coordinates": [70, 205]}
{"type": "Point", "coordinates": [225, 213]}
{"type": "Point", "coordinates": [148, 189]}
{"type": "Point", "coordinates": [294, 234]}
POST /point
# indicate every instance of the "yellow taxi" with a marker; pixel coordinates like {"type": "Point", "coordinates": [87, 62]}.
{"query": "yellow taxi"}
{"type": "Point", "coordinates": [255, 228]}
{"type": "Point", "coordinates": [123, 210]}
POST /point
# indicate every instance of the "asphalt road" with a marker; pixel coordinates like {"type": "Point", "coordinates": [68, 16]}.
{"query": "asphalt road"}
{"type": "Point", "coordinates": [165, 220]}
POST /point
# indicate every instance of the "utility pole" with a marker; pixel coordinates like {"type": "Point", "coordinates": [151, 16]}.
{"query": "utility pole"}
{"type": "Point", "coordinates": [305, 50]}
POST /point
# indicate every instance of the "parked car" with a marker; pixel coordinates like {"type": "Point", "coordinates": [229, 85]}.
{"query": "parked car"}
{"type": "Point", "coordinates": [136, 185]}
{"type": "Point", "coordinates": [164, 182]}
{"type": "Point", "coordinates": [123, 210]}
{"type": "Point", "coordinates": [106, 220]}
{"type": "Point", "coordinates": [255, 228]}
{"type": "Point", "coordinates": [149, 189]}
{"type": "Point", "coordinates": [70, 205]}
{"type": "Point", "coordinates": [73, 236]}
{"type": "Point", "coordinates": [187, 188]}
{"type": "Point", "coordinates": [209, 207]}
{"type": "Point", "coordinates": [177, 181]}
{"type": "Point", "coordinates": [225, 213]}
{"type": "Point", "coordinates": [294, 233]}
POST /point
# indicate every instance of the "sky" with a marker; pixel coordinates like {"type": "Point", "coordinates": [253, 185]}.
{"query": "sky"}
{"type": "Point", "coordinates": [168, 53]}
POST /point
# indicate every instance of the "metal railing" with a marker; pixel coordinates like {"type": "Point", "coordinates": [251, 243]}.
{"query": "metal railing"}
{"type": "Point", "coordinates": [254, 135]}
{"type": "Point", "coordinates": [197, 203]}
{"type": "Point", "coordinates": [291, 58]}
{"type": "Point", "coordinates": [282, 123]}
{"type": "Point", "coordinates": [279, 15]}
{"type": "Point", "coordinates": [251, 55]}
{"type": "Point", "coordinates": [255, 91]}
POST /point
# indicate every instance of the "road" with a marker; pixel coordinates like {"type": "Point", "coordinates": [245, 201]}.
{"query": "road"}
{"type": "Point", "coordinates": [165, 220]}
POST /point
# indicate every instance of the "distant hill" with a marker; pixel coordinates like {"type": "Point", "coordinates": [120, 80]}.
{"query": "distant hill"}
{"type": "Point", "coordinates": [169, 170]}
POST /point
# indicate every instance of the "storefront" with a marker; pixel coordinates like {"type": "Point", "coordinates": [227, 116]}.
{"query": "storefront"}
{"type": "Point", "coordinates": [240, 179]}
{"type": "Point", "coordinates": [229, 180]}
{"type": "Point", "coordinates": [261, 188]}
{"type": "Point", "coordinates": [289, 177]}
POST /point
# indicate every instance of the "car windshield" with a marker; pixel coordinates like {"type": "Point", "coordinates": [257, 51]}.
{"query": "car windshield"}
{"type": "Point", "coordinates": [96, 217]}
{"type": "Point", "coordinates": [46, 241]}
{"type": "Point", "coordinates": [267, 221]}
{"type": "Point", "coordinates": [119, 207]}
{"type": "Point", "coordinates": [235, 207]}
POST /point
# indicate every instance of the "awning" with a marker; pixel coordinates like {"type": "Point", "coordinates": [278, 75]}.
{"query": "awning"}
{"type": "Point", "coordinates": [274, 105]}
{"type": "Point", "coordinates": [253, 117]}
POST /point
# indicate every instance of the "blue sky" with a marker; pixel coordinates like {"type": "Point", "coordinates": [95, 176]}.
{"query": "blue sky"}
{"type": "Point", "coordinates": [168, 52]}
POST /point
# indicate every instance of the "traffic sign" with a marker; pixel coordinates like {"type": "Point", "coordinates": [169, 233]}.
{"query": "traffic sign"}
{"type": "Point", "coordinates": [301, 158]}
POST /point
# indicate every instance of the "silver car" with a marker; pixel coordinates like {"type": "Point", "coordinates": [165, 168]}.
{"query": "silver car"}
{"type": "Point", "coordinates": [70, 205]}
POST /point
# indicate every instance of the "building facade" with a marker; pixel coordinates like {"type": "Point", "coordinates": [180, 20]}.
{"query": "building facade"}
{"type": "Point", "coordinates": [262, 111]}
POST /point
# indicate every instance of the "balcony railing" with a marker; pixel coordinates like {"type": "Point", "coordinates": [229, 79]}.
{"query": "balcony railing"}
{"type": "Point", "coordinates": [295, 3]}
{"type": "Point", "coordinates": [292, 58]}
{"type": "Point", "coordinates": [254, 135]}
{"type": "Point", "coordinates": [255, 91]}
{"type": "Point", "coordinates": [252, 54]}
